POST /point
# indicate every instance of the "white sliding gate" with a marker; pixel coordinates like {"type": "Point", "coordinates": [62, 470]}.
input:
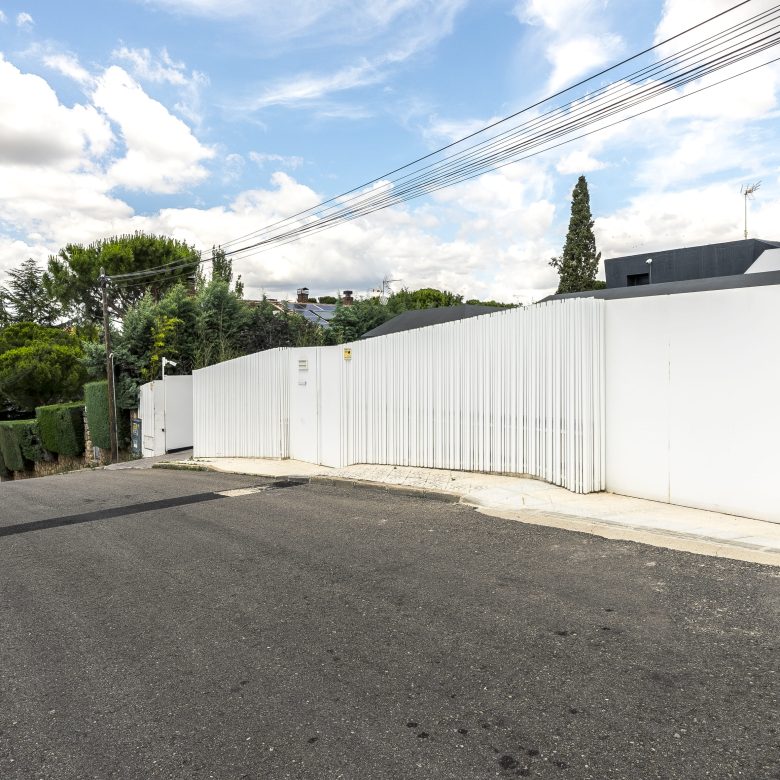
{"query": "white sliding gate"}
{"type": "Point", "coordinates": [519, 391]}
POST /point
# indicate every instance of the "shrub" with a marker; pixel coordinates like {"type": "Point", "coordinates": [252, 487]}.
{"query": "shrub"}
{"type": "Point", "coordinates": [20, 443]}
{"type": "Point", "coordinates": [4, 472]}
{"type": "Point", "coordinates": [62, 428]}
{"type": "Point", "coordinates": [96, 410]}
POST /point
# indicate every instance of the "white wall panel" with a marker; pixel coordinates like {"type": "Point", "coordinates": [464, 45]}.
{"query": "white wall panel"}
{"type": "Point", "coordinates": [637, 396]}
{"type": "Point", "coordinates": [241, 407]}
{"type": "Point", "coordinates": [692, 388]}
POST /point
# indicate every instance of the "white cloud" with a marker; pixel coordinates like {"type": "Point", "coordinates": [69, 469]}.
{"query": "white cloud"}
{"type": "Point", "coordinates": [30, 109]}
{"type": "Point", "coordinates": [68, 65]}
{"type": "Point", "coordinates": [577, 162]}
{"type": "Point", "coordinates": [287, 161]}
{"type": "Point", "coordinates": [24, 20]}
{"type": "Point", "coordinates": [574, 57]}
{"type": "Point", "coordinates": [146, 67]}
{"type": "Point", "coordinates": [679, 15]}
{"type": "Point", "coordinates": [309, 87]}
{"type": "Point", "coordinates": [338, 21]}
{"type": "Point", "coordinates": [403, 29]}
{"type": "Point", "coordinates": [574, 34]}
{"type": "Point", "coordinates": [163, 69]}
{"type": "Point", "coordinates": [3, 17]}
{"type": "Point", "coordinates": [14, 251]}
{"type": "Point", "coordinates": [165, 160]}
{"type": "Point", "coordinates": [685, 217]}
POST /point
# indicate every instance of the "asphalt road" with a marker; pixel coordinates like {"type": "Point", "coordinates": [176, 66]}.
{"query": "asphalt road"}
{"type": "Point", "coordinates": [149, 629]}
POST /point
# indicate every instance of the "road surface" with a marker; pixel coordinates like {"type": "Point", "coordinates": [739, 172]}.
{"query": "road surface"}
{"type": "Point", "coordinates": [150, 628]}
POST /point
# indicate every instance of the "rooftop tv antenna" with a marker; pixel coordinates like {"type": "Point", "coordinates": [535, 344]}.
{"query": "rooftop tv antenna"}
{"type": "Point", "coordinates": [386, 289]}
{"type": "Point", "coordinates": [747, 191]}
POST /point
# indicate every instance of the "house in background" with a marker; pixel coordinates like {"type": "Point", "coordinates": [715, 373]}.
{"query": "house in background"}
{"type": "Point", "coordinates": [748, 263]}
{"type": "Point", "coordinates": [730, 258]}
{"type": "Point", "coordinates": [319, 313]}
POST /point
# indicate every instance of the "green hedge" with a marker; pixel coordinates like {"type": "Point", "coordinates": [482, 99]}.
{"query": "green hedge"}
{"type": "Point", "coordinates": [4, 472]}
{"type": "Point", "coordinates": [61, 428]}
{"type": "Point", "coordinates": [20, 442]}
{"type": "Point", "coordinates": [96, 403]}
{"type": "Point", "coordinates": [96, 409]}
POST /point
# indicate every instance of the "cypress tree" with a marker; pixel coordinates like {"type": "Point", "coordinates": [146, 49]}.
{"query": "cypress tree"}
{"type": "Point", "coordinates": [579, 261]}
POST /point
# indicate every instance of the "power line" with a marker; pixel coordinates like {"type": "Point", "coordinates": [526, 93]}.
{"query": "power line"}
{"type": "Point", "coordinates": [533, 136]}
{"type": "Point", "coordinates": [498, 122]}
{"type": "Point", "coordinates": [452, 175]}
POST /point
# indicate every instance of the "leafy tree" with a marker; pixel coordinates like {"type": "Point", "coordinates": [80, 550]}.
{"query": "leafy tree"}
{"type": "Point", "coordinates": [72, 275]}
{"type": "Point", "coordinates": [39, 365]}
{"type": "Point", "coordinates": [579, 261]}
{"type": "Point", "coordinates": [268, 328]}
{"type": "Point", "coordinates": [351, 322]}
{"type": "Point", "coordinates": [22, 334]}
{"type": "Point", "coordinates": [494, 304]}
{"type": "Point", "coordinates": [222, 269]}
{"type": "Point", "coordinates": [221, 320]}
{"type": "Point", "coordinates": [426, 298]}
{"type": "Point", "coordinates": [150, 331]}
{"type": "Point", "coordinates": [328, 299]}
{"type": "Point", "coordinates": [162, 332]}
{"type": "Point", "coordinates": [27, 297]}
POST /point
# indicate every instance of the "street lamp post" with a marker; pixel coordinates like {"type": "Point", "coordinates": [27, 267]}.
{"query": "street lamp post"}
{"type": "Point", "coordinates": [649, 262]}
{"type": "Point", "coordinates": [166, 362]}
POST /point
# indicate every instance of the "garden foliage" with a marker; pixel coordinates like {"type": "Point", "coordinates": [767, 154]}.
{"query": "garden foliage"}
{"type": "Point", "coordinates": [20, 444]}
{"type": "Point", "coordinates": [61, 428]}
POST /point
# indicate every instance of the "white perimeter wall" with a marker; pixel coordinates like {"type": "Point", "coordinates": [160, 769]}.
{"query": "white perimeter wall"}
{"type": "Point", "coordinates": [693, 400]}
{"type": "Point", "coordinates": [241, 407]}
{"type": "Point", "coordinates": [519, 391]}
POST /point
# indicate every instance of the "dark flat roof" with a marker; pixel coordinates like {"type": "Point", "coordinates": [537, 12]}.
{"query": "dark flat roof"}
{"type": "Point", "coordinates": [673, 288]}
{"type": "Point", "coordinates": [692, 262]}
{"type": "Point", "coordinates": [422, 318]}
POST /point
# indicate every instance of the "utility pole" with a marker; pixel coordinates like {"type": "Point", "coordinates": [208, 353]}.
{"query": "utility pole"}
{"type": "Point", "coordinates": [109, 369]}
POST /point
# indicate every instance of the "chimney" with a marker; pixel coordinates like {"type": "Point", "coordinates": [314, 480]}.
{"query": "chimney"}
{"type": "Point", "coordinates": [346, 298]}
{"type": "Point", "coordinates": [303, 295]}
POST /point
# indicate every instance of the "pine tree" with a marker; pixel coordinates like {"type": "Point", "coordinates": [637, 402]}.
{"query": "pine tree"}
{"type": "Point", "coordinates": [579, 261]}
{"type": "Point", "coordinates": [26, 296]}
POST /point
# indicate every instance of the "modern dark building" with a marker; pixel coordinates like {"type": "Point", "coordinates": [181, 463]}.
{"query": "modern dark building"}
{"type": "Point", "coordinates": [677, 265]}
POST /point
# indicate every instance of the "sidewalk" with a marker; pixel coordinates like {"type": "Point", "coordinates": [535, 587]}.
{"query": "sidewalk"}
{"type": "Point", "coordinates": [533, 501]}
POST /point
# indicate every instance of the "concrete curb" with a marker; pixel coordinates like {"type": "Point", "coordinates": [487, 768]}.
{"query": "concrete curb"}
{"type": "Point", "coordinates": [667, 539]}
{"type": "Point", "coordinates": [699, 545]}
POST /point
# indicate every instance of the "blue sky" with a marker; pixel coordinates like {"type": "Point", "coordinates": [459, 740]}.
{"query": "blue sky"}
{"type": "Point", "coordinates": [206, 119]}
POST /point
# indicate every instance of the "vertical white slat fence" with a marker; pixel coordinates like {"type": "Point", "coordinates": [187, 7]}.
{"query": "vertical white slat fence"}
{"type": "Point", "coordinates": [241, 407]}
{"type": "Point", "coordinates": [514, 392]}
{"type": "Point", "coordinates": [518, 392]}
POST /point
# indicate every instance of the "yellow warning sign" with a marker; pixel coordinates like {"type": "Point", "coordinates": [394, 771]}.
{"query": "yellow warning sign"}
{"type": "Point", "coordinates": [347, 353]}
